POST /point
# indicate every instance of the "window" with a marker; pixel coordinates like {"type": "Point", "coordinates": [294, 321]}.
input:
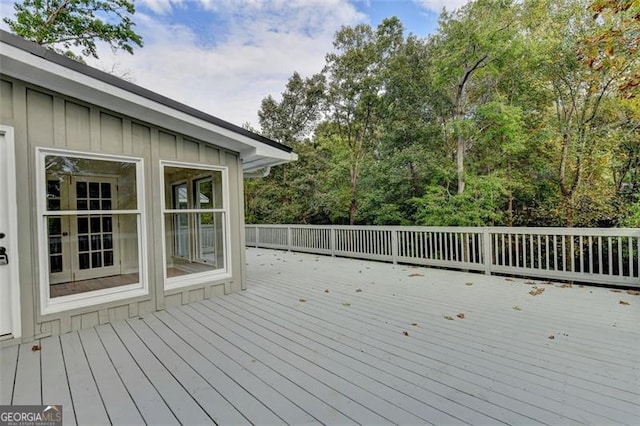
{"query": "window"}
{"type": "Point", "coordinates": [91, 229]}
{"type": "Point", "coordinates": [195, 223]}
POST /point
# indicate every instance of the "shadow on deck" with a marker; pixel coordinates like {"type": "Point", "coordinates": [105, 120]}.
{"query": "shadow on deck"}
{"type": "Point", "coordinates": [323, 340]}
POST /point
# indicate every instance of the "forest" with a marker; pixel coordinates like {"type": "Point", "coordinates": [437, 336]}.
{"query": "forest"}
{"type": "Point", "coordinates": [513, 113]}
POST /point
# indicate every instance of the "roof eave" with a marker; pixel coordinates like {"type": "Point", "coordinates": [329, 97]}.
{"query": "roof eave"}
{"type": "Point", "coordinates": [28, 62]}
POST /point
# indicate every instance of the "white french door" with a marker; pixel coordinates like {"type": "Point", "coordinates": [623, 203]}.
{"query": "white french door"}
{"type": "Point", "coordinates": [82, 246]}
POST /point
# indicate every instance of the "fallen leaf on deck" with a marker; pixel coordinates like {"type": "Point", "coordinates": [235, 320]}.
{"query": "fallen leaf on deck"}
{"type": "Point", "coordinates": [552, 337]}
{"type": "Point", "coordinates": [450, 318]}
{"type": "Point", "coordinates": [508, 279]}
{"type": "Point", "coordinates": [36, 348]}
{"type": "Point", "coordinates": [615, 291]}
{"type": "Point", "coordinates": [303, 300]}
{"type": "Point", "coordinates": [530, 282]}
{"type": "Point", "coordinates": [633, 292]}
{"type": "Point", "coordinates": [517, 308]}
{"type": "Point", "coordinates": [460, 315]}
{"type": "Point", "coordinates": [415, 324]}
{"type": "Point", "coordinates": [406, 333]}
{"type": "Point", "coordinates": [347, 304]}
{"type": "Point", "coordinates": [358, 290]}
{"type": "Point", "coordinates": [468, 283]}
{"type": "Point", "coordinates": [536, 291]}
{"type": "Point", "coordinates": [622, 302]}
{"type": "Point", "coordinates": [416, 275]}
{"type": "Point", "coordinates": [566, 285]}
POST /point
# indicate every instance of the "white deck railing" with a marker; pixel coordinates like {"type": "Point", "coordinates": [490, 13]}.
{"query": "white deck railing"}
{"type": "Point", "coordinates": [595, 255]}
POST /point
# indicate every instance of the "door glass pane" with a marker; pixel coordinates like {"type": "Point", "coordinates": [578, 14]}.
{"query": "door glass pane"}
{"type": "Point", "coordinates": [98, 252]}
{"type": "Point", "coordinates": [81, 190]}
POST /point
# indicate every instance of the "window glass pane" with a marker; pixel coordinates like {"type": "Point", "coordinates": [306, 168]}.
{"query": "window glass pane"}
{"type": "Point", "coordinates": [192, 188]}
{"type": "Point", "coordinates": [194, 243]}
{"type": "Point", "coordinates": [53, 189]}
{"type": "Point", "coordinates": [81, 189]}
{"type": "Point", "coordinates": [92, 252]}
{"type": "Point", "coordinates": [55, 225]}
{"type": "Point", "coordinates": [80, 184]}
{"type": "Point", "coordinates": [55, 264]}
{"type": "Point", "coordinates": [53, 205]}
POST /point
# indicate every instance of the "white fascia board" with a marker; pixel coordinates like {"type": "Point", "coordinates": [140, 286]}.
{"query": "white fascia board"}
{"type": "Point", "coordinates": [33, 69]}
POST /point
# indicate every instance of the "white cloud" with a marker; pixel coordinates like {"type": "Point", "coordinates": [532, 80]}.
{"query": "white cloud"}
{"type": "Point", "coordinates": [265, 42]}
{"type": "Point", "coordinates": [161, 7]}
{"type": "Point", "coordinates": [437, 5]}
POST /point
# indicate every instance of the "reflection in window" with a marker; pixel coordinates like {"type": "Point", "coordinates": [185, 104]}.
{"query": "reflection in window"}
{"type": "Point", "coordinates": [194, 221]}
{"type": "Point", "coordinates": [91, 247]}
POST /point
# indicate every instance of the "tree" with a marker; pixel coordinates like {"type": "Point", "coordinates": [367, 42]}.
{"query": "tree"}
{"type": "Point", "coordinates": [291, 193]}
{"type": "Point", "coordinates": [467, 43]}
{"type": "Point", "coordinates": [354, 86]}
{"type": "Point", "coordinates": [576, 127]}
{"type": "Point", "coordinates": [63, 24]}
{"type": "Point", "coordinates": [615, 44]}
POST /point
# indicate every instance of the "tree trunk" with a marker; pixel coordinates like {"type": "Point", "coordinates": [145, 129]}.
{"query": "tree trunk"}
{"type": "Point", "coordinates": [353, 207]}
{"type": "Point", "coordinates": [460, 158]}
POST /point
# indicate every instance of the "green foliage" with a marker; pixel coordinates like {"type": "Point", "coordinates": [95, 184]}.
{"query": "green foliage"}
{"type": "Point", "coordinates": [514, 113]}
{"type": "Point", "coordinates": [64, 24]}
{"type": "Point", "coordinates": [482, 204]}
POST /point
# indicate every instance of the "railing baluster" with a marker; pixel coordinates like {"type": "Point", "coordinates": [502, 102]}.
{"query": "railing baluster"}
{"type": "Point", "coordinates": [630, 243]}
{"type": "Point", "coordinates": [539, 252]}
{"type": "Point", "coordinates": [620, 268]}
{"type": "Point", "coordinates": [581, 255]}
{"type": "Point", "coordinates": [564, 252]}
{"type": "Point", "coordinates": [610, 247]}
{"type": "Point", "coordinates": [610, 256]}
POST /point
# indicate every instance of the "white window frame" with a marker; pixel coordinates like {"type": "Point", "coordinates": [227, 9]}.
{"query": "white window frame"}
{"type": "Point", "coordinates": [50, 305]}
{"type": "Point", "coordinates": [200, 277]}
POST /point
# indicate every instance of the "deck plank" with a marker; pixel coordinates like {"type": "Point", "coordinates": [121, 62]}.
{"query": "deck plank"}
{"type": "Point", "coordinates": [322, 340]}
{"type": "Point", "coordinates": [354, 411]}
{"type": "Point", "coordinates": [374, 404]}
{"type": "Point", "coordinates": [87, 402]}
{"type": "Point", "coordinates": [8, 363]}
{"type": "Point", "coordinates": [27, 386]}
{"type": "Point", "coordinates": [258, 401]}
{"type": "Point", "coordinates": [474, 334]}
{"type": "Point", "coordinates": [405, 396]}
{"type": "Point", "coordinates": [465, 406]}
{"type": "Point", "coordinates": [152, 407]}
{"type": "Point", "coordinates": [55, 385]}
{"type": "Point", "coordinates": [507, 389]}
{"type": "Point", "coordinates": [186, 410]}
{"type": "Point", "coordinates": [117, 401]}
{"type": "Point", "coordinates": [211, 401]}
{"type": "Point", "coordinates": [358, 326]}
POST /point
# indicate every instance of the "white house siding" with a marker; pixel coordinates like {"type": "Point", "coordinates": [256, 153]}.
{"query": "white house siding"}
{"type": "Point", "coordinates": [45, 119]}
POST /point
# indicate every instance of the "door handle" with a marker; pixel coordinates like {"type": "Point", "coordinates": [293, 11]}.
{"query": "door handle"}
{"type": "Point", "coordinates": [4, 258]}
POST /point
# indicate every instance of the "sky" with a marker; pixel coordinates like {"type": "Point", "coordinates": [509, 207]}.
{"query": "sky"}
{"type": "Point", "coordinates": [224, 56]}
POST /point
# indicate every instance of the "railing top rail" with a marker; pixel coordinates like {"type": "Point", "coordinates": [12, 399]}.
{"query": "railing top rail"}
{"type": "Point", "coordinates": [623, 232]}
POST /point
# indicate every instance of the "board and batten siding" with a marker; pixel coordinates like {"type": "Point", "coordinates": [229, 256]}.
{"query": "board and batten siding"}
{"type": "Point", "coordinates": [45, 119]}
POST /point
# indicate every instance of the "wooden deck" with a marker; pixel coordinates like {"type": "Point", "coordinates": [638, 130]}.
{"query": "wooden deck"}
{"type": "Point", "coordinates": [324, 340]}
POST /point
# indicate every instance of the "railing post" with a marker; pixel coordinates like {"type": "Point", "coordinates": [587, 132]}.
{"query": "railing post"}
{"type": "Point", "coordinates": [394, 246]}
{"type": "Point", "coordinates": [332, 241]}
{"type": "Point", "coordinates": [486, 250]}
{"type": "Point", "coordinates": [257, 237]}
{"type": "Point", "coordinates": [289, 238]}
